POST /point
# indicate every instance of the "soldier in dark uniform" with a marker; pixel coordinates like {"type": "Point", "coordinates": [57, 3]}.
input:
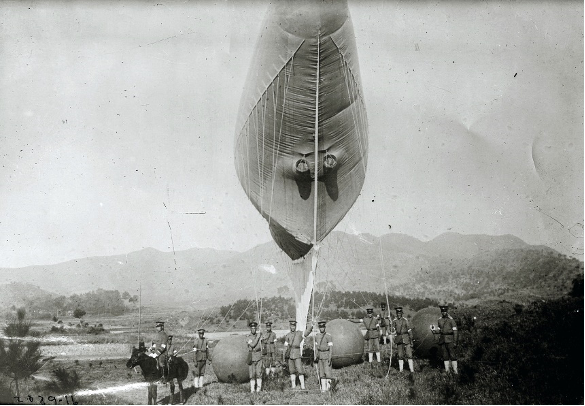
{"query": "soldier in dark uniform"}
{"type": "Point", "coordinates": [403, 340]}
{"type": "Point", "coordinates": [171, 350]}
{"type": "Point", "coordinates": [384, 323]}
{"type": "Point", "coordinates": [292, 342]}
{"type": "Point", "coordinates": [448, 338]}
{"type": "Point", "coordinates": [324, 346]}
{"type": "Point", "coordinates": [158, 350]}
{"type": "Point", "coordinates": [372, 336]}
{"type": "Point", "coordinates": [269, 349]}
{"type": "Point", "coordinates": [254, 341]}
{"type": "Point", "coordinates": [201, 346]}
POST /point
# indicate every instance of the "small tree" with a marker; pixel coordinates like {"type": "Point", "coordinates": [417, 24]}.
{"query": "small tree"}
{"type": "Point", "coordinates": [20, 358]}
{"type": "Point", "coordinates": [78, 313]}
{"type": "Point", "coordinates": [64, 381]}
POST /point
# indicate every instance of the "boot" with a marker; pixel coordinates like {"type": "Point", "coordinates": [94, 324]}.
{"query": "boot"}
{"type": "Point", "coordinates": [447, 366]}
{"type": "Point", "coordinates": [258, 385]}
{"type": "Point", "coordinates": [328, 384]}
{"type": "Point", "coordinates": [268, 372]}
{"type": "Point", "coordinates": [370, 357]}
{"type": "Point", "coordinates": [400, 365]}
{"type": "Point", "coordinates": [195, 382]}
{"type": "Point", "coordinates": [273, 371]}
{"type": "Point", "coordinates": [378, 357]}
{"type": "Point", "coordinates": [293, 380]}
{"type": "Point", "coordinates": [454, 365]}
{"type": "Point", "coordinates": [302, 379]}
{"type": "Point", "coordinates": [411, 365]}
{"type": "Point", "coordinates": [323, 385]}
{"type": "Point", "coordinates": [201, 382]}
{"type": "Point", "coordinates": [252, 383]}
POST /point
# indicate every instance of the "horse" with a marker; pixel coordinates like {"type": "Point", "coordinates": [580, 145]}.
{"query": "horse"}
{"type": "Point", "coordinates": [177, 369]}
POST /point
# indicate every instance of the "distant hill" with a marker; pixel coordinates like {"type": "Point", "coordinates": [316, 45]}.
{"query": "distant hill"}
{"type": "Point", "coordinates": [18, 294]}
{"type": "Point", "coordinates": [449, 267]}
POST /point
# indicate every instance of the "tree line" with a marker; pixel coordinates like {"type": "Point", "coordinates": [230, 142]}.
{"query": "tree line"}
{"type": "Point", "coordinates": [329, 305]}
{"type": "Point", "coordinates": [98, 302]}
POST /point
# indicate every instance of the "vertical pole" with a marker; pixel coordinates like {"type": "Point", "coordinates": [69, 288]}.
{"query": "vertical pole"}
{"type": "Point", "coordinates": [139, 311]}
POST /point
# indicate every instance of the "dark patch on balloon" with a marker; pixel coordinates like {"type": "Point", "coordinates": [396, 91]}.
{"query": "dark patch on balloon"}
{"type": "Point", "coordinates": [304, 188]}
{"type": "Point", "coordinates": [331, 184]}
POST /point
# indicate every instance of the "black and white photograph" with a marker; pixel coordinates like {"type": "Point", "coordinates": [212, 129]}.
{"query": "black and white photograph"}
{"type": "Point", "coordinates": [291, 202]}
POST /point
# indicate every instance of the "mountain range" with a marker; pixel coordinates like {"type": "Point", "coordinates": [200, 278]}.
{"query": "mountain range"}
{"type": "Point", "coordinates": [450, 267]}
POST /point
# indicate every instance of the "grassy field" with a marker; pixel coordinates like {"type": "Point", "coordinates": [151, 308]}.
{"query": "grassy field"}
{"type": "Point", "coordinates": [512, 355]}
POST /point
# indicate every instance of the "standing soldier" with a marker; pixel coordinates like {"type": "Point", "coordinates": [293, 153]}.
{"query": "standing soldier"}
{"type": "Point", "coordinates": [269, 348]}
{"type": "Point", "coordinates": [201, 346]}
{"type": "Point", "coordinates": [292, 342]}
{"type": "Point", "coordinates": [171, 350]}
{"type": "Point", "coordinates": [448, 338]}
{"type": "Point", "coordinates": [403, 340]}
{"type": "Point", "coordinates": [324, 344]}
{"type": "Point", "coordinates": [255, 367]}
{"type": "Point", "coordinates": [158, 350]}
{"type": "Point", "coordinates": [372, 334]}
{"type": "Point", "coordinates": [384, 323]}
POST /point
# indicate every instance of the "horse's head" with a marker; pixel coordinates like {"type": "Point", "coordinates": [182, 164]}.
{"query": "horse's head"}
{"type": "Point", "coordinates": [135, 357]}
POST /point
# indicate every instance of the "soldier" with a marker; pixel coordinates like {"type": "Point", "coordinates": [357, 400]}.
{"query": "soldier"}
{"type": "Point", "coordinates": [384, 323]}
{"type": "Point", "coordinates": [372, 334]}
{"type": "Point", "coordinates": [448, 338]}
{"type": "Point", "coordinates": [269, 349]}
{"type": "Point", "coordinates": [254, 341]}
{"type": "Point", "coordinates": [292, 342]}
{"type": "Point", "coordinates": [171, 350]}
{"type": "Point", "coordinates": [403, 340]}
{"type": "Point", "coordinates": [158, 350]}
{"type": "Point", "coordinates": [201, 346]}
{"type": "Point", "coordinates": [324, 345]}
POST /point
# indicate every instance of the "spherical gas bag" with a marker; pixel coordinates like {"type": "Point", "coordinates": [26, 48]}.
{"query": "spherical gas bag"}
{"type": "Point", "coordinates": [229, 360]}
{"type": "Point", "coordinates": [425, 345]}
{"type": "Point", "coordinates": [348, 343]}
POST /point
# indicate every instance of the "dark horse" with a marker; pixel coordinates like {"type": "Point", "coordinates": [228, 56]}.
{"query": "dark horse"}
{"type": "Point", "coordinates": [178, 369]}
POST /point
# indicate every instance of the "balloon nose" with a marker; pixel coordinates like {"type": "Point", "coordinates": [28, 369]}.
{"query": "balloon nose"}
{"type": "Point", "coordinates": [306, 19]}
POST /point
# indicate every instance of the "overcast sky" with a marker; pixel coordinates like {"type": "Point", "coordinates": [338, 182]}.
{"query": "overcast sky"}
{"type": "Point", "coordinates": [117, 118]}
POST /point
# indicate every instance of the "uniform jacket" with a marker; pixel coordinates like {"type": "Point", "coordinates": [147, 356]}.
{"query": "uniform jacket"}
{"type": "Point", "coordinates": [202, 346]}
{"type": "Point", "coordinates": [255, 345]}
{"type": "Point", "coordinates": [403, 331]}
{"type": "Point", "coordinates": [293, 340]}
{"type": "Point", "coordinates": [269, 341]}
{"type": "Point", "coordinates": [170, 349]}
{"type": "Point", "coordinates": [384, 318]}
{"type": "Point", "coordinates": [371, 324]}
{"type": "Point", "coordinates": [324, 342]}
{"type": "Point", "coordinates": [160, 344]}
{"type": "Point", "coordinates": [447, 329]}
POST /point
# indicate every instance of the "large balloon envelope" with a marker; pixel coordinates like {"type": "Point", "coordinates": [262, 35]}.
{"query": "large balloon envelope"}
{"type": "Point", "coordinates": [230, 359]}
{"type": "Point", "coordinates": [425, 345]}
{"type": "Point", "coordinates": [302, 112]}
{"type": "Point", "coordinates": [348, 343]}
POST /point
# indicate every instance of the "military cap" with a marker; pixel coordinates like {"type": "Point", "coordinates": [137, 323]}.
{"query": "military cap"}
{"type": "Point", "coordinates": [369, 309]}
{"type": "Point", "coordinates": [201, 330]}
{"type": "Point", "coordinates": [160, 324]}
{"type": "Point", "coordinates": [444, 308]}
{"type": "Point", "coordinates": [398, 309]}
{"type": "Point", "coordinates": [292, 322]}
{"type": "Point", "coordinates": [268, 323]}
{"type": "Point", "coordinates": [170, 336]}
{"type": "Point", "coordinates": [322, 323]}
{"type": "Point", "coordinates": [253, 324]}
